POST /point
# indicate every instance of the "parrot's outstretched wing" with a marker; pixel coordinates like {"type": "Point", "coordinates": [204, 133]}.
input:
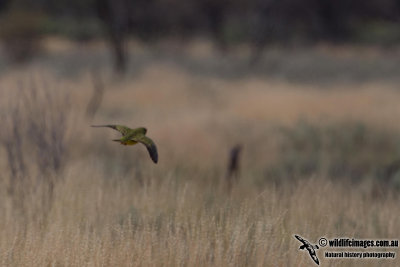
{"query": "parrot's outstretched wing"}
{"type": "Point", "coordinates": [151, 147]}
{"type": "Point", "coordinates": [120, 128]}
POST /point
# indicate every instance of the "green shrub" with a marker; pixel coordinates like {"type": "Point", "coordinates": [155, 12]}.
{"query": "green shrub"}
{"type": "Point", "coordinates": [345, 150]}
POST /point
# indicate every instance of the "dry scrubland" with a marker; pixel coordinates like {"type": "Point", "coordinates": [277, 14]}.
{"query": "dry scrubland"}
{"type": "Point", "coordinates": [316, 159]}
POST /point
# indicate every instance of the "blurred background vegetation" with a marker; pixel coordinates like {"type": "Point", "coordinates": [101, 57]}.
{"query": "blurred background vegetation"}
{"type": "Point", "coordinates": [307, 89]}
{"type": "Point", "coordinates": [260, 23]}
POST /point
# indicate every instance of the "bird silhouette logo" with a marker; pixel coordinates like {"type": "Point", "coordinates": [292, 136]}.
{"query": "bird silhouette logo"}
{"type": "Point", "coordinates": [131, 137]}
{"type": "Point", "coordinates": [311, 248]}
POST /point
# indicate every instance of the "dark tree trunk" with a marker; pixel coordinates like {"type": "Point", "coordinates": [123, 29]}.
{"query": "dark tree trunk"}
{"type": "Point", "coordinates": [115, 16]}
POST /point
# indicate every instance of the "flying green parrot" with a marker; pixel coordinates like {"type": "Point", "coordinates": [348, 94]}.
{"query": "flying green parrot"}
{"type": "Point", "coordinates": [131, 137]}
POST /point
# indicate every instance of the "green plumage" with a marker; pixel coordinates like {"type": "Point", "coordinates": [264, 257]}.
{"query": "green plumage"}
{"type": "Point", "coordinates": [133, 136]}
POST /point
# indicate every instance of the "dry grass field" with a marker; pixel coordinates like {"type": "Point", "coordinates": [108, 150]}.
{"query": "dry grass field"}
{"type": "Point", "coordinates": [320, 137]}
